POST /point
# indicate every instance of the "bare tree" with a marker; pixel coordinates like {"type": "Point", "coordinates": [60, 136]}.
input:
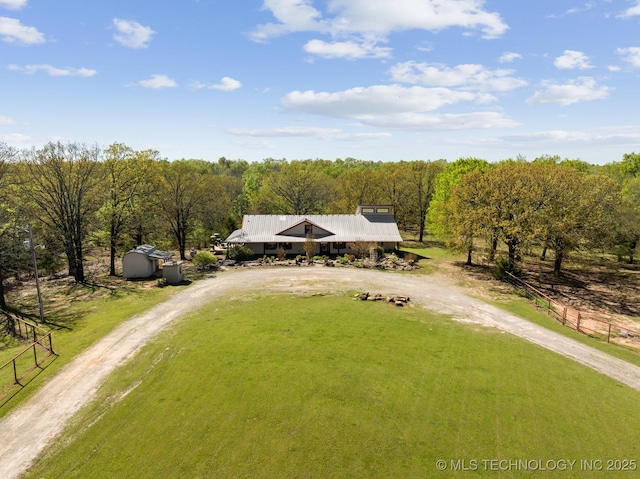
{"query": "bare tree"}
{"type": "Point", "coordinates": [63, 186]}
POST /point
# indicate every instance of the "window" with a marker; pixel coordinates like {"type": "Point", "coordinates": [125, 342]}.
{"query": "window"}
{"type": "Point", "coordinates": [368, 210]}
{"type": "Point", "coordinates": [271, 246]}
{"type": "Point", "coordinates": [286, 245]}
{"type": "Point", "coordinates": [308, 229]}
{"type": "Point", "coordinates": [383, 210]}
{"type": "Point", "coordinates": [339, 245]}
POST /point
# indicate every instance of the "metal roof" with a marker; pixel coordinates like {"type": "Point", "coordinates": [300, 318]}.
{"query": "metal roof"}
{"type": "Point", "coordinates": [151, 252]}
{"type": "Point", "coordinates": [340, 228]}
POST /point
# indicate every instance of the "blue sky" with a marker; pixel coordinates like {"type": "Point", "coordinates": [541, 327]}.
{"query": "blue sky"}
{"type": "Point", "coordinates": [369, 79]}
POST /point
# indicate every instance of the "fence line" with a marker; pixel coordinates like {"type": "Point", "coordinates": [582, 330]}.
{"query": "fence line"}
{"type": "Point", "coordinates": [573, 318]}
{"type": "Point", "coordinates": [39, 337]}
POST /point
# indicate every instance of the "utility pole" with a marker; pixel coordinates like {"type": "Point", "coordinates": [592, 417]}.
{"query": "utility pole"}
{"type": "Point", "coordinates": [35, 269]}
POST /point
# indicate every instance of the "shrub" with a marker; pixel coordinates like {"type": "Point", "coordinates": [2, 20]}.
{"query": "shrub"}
{"type": "Point", "coordinates": [343, 259]}
{"type": "Point", "coordinates": [410, 258]}
{"type": "Point", "coordinates": [204, 259]}
{"type": "Point", "coordinates": [240, 253]}
{"type": "Point", "coordinates": [282, 254]}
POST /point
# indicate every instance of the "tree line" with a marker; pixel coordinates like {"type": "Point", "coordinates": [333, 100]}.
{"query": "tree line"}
{"type": "Point", "coordinates": [75, 196]}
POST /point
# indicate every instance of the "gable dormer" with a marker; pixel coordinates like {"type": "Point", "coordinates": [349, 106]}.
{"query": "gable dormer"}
{"type": "Point", "coordinates": [305, 228]}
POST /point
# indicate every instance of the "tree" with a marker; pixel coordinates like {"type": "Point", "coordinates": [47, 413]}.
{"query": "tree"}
{"type": "Point", "coordinates": [357, 188]}
{"type": "Point", "coordinates": [391, 182]}
{"type": "Point", "coordinates": [439, 213]}
{"type": "Point", "coordinates": [180, 195]}
{"type": "Point", "coordinates": [126, 172]}
{"type": "Point", "coordinates": [296, 189]}
{"type": "Point", "coordinates": [629, 219]}
{"type": "Point", "coordinates": [421, 179]}
{"type": "Point", "coordinates": [7, 218]}
{"type": "Point", "coordinates": [464, 210]}
{"type": "Point", "coordinates": [63, 186]}
{"type": "Point", "coordinates": [579, 210]}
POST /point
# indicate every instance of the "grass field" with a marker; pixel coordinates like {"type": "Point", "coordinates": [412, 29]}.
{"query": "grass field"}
{"type": "Point", "coordinates": [84, 316]}
{"type": "Point", "coordinates": [327, 387]}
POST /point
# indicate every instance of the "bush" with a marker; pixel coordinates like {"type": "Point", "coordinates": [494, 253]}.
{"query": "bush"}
{"type": "Point", "coordinates": [240, 253]}
{"type": "Point", "coordinates": [343, 259]}
{"type": "Point", "coordinates": [204, 259]}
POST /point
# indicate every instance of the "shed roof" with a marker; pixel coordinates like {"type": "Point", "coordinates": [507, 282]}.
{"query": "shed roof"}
{"type": "Point", "coordinates": [339, 228]}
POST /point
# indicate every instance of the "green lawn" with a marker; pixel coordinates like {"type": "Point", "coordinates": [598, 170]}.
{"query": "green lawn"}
{"type": "Point", "coordinates": [84, 320]}
{"type": "Point", "coordinates": [327, 387]}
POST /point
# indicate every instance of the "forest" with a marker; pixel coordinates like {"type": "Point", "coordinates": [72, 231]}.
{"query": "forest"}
{"type": "Point", "coordinates": [73, 196]}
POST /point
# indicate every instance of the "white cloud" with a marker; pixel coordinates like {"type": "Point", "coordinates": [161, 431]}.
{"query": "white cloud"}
{"type": "Point", "coordinates": [631, 55]}
{"type": "Point", "coordinates": [376, 20]}
{"type": "Point", "coordinates": [12, 31]}
{"type": "Point", "coordinates": [574, 91]}
{"type": "Point", "coordinates": [395, 106]}
{"type": "Point", "coordinates": [467, 76]}
{"type": "Point", "coordinates": [226, 84]}
{"type": "Point", "coordinates": [54, 71]}
{"type": "Point", "coordinates": [571, 59]}
{"type": "Point", "coordinates": [14, 138]}
{"type": "Point", "coordinates": [334, 134]}
{"type": "Point", "coordinates": [508, 57]}
{"type": "Point", "coordinates": [132, 34]}
{"type": "Point", "coordinates": [5, 120]}
{"type": "Point", "coordinates": [618, 135]}
{"type": "Point", "coordinates": [13, 4]}
{"type": "Point", "coordinates": [158, 81]}
{"type": "Point", "coordinates": [349, 50]}
{"type": "Point", "coordinates": [632, 11]}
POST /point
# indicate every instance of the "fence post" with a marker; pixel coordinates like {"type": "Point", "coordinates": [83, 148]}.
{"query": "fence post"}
{"type": "Point", "coordinates": [578, 323]}
{"type": "Point", "coordinates": [35, 354]}
{"type": "Point", "coordinates": [15, 372]}
{"type": "Point", "coordinates": [609, 335]}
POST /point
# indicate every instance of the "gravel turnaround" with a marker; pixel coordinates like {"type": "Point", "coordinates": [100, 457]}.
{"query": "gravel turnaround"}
{"type": "Point", "coordinates": [29, 429]}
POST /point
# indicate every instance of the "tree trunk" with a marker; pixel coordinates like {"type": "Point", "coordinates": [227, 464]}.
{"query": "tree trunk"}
{"type": "Point", "coordinates": [469, 263]}
{"type": "Point", "coordinates": [494, 247]}
{"type": "Point", "coordinates": [3, 302]}
{"type": "Point", "coordinates": [632, 250]}
{"type": "Point", "coordinates": [543, 256]}
{"type": "Point", "coordinates": [557, 263]}
{"type": "Point", "coordinates": [112, 251]}
{"type": "Point", "coordinates": [512, 244]}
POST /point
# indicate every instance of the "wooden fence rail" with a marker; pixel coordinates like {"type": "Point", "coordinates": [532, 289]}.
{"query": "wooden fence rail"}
{"type": "Point", "coordinates": [571, 317]}
{"type": "Point", "coordinates": [40, 339]}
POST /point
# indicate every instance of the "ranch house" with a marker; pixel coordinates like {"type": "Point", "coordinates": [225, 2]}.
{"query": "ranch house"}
{"type": "Point", "coordinates": [331, 234]}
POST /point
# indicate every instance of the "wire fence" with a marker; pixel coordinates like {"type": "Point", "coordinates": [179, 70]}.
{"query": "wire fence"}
{"type": "Point", "coordinates": [573, 318]}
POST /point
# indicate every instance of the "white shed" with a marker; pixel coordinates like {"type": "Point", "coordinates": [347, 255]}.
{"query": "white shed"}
{"type": "Point", "coordinates": [172, 272]}
{"type": "Point", "coordinates": [143, 261]}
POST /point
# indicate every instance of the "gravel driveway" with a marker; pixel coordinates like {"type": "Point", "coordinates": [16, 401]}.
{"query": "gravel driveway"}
{"type": "Point", "coordinates": [26, 431]}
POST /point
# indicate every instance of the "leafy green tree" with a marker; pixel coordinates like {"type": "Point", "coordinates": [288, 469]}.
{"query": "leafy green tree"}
{"type": "Point", "coordinates": [439, 214]}
{"type": "Point", "coordinates": [295, 189]}
{"type": "Point", "coordinates": [357, 187]}
{"type": "Point", "coordinates": [179, 197]}
{"type": "Point", "coordinates": [629, 219]}
{"type": "Point", "coordinates": [579, 210]}
{"type": "Point", "coordinates": [126, 174]}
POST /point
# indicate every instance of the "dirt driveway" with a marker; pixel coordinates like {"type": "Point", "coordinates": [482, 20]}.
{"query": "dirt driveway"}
{"type": "Point", "coordinates": [26, 431]}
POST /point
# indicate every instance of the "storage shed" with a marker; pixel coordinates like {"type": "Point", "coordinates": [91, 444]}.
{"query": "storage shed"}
{"type": "Point", "coordinates": [143, 261]}
{"type": "Point", "coordinates": [172, 272]}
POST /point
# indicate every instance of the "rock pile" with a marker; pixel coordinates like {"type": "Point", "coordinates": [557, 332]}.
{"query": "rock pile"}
{"type": "Point", "coordinates": [397, 300]}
